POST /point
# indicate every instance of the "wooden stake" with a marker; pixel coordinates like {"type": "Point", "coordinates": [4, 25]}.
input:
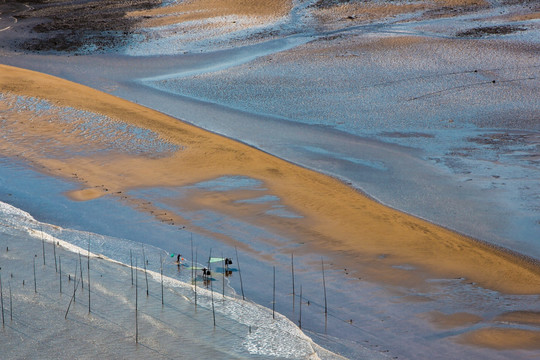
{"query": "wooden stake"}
{"type": "Point", "coordinates": [223, 276]}
{"type": "Point", "coordinates": [300, 320]}
{"type": "Point", "coordinates": [192, 269]}
{"type": "Point", "coordinates": [54, 253]}
{"type": "Point", "coordinates": [136, 303]}
{"type": "Point", "coordinates": [324, 287]}
{"type": "Point", "coordinates": [292, 273]}
{"type": "Point", "coordinates": [80, 268]}
{"type": "Point", "coordinates": [75, 281]}
{"type": "Point", "coordinates": [240, 274]}
{"type": "Point", "coordinates": [88, 272]}
{"type": "Point", "coordinates": [74, 290]}
{"type": "Point", "coordinates": [196, 254]}
{"type": "Point", "coordinates": [131, 264]}
{"type": "Point", "coordinates": [2, 297]}
{"type": "Point", "coordinates": [212, 289]}
{"type": "Point", "coordinates": [274, 296]}
{"type": "Point", "coordinates": [10, 302]}
{"type": "Point", "coordinates": [43, 245]}
{"type": "Point", "coordinates": [145, 273]}
{"type": "Point", "coordinates": [35, 282]}
{"type": "Point", "coordinates": [60, 271]}
{"type": "Point", "coordinates": [161, 271]}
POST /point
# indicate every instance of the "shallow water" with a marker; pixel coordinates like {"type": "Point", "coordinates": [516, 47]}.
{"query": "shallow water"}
{"type": "Point", "coordinates": [42, 318]}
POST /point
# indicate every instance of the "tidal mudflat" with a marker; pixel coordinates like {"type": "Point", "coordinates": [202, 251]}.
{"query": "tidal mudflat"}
{"type": "Point", "coordinates": [430, 108]}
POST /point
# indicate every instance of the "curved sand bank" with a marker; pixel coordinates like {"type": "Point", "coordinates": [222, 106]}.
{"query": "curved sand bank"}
{"type": "Point", "coordinates": [372, 238]}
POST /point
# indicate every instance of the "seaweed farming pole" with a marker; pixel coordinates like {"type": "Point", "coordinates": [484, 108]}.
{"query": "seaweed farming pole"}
{"type": "Point", "coordinates": [324, 287]}
{"type": "Point", "coordinates": [88, 270]}
{"type": "Point", "coordinates": [211, 289]}
{"type": "Point", "coordinates": [2, 297]}
{"type": "Point", "coordinates": [75, 284]}
{"type": "Point", "coordinates": [223, 276]}
{"type": "Point", "coordinates": [196, 255]}
{"type": "Point", "coordinates": [35, 282]}
{"type": "Point", "coordinates": [136, 303]}
{"type": "Point", "coordinates": [300, 319]}
{"type": "Point", "coordinates": [145, 273]}
{"type": "Point", "coordinates": [274, 296]}
{"type": "Point", "coordinates": [54, 253]}
{"type": "Point", "coordinates": [292, 273]}
{"type": "Point", "coordinates": [192, 269]}
{"type": "Point", "coordinates": [75, 280]}
{"type": "Point", "coordinates": [60, 271]}
{"type": "Point", "coordinates": [161, 272]}
{"type": "Point", "coordinates": [10, 302]}
{"type": "Point", "coordinates": [131, 265]}
{"type": "Point", "coordinates": [239, 273]}
{"type": "Point", "coordinates": [80, 268]}
{"type": "Point", "coordinates": [43, 245]}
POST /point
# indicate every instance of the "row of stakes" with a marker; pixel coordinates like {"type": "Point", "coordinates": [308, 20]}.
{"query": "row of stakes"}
{"type": "Point", "coordinates": [134, 281]}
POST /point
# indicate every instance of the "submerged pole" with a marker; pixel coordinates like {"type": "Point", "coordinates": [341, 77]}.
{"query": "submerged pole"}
{"type": "Point", "coordinates": [239, 273]}
{"type": "Point", "coordinates": [212, 289]}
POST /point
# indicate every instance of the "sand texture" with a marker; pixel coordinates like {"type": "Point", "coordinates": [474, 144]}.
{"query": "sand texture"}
{"type": "Point", "coordinates": [335, 218]}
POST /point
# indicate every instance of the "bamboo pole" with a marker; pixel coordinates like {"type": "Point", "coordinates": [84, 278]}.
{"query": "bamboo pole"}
{"type": "Point", "coordinates": [80, 268]}
{"type": "Point", "coordinates": [240, 274]}
{"type": "Point", "coordinates": [212, 289]}
{"type": "Point", "coordinates": [136, 303]}
{"type": "Point", "coordinates": [161, 272]}
{"type": "Point", "coordinates": [196, 253]}
{"type": "Point", "coordinates": [292, 274]}
{"type": "Point", "coordinates": [223, 276]}
{"type": "Point", "coordinates": [131, 265]}
{"type": "Point", "coordinates": [74, 291]}
{"type": "Point", "coordinates": [300, 320]}
{"type": "Point", "coordinates": [145, 272]}
{"type": "Point", "coordinates": [54, 254]}
{"type": "Point", "coordinates": [88, 273]}
{"type": "Point", "coordinates": [35, 282]}
{"type": "Point", "coordinates": [192, 269]}
{"type": "Point", "coordinates": [43, 245]}
{"type": "Point", "coordinates": [274, 296]}
{"type": "Point", "coordinates": [75, 281]}
{"type": "Point", "coordinates": [324, 287]}
{"type": "Point", "coordinates": [2, 297]}
{"type": "Point", "coordinates": [10, 302]}
{"type": "Point", "coordinates": [60, 271]}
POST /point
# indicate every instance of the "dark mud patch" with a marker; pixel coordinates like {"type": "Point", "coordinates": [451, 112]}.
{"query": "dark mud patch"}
{"type": "Point", "coordinates": [78, 26]}
{"type": "Point", "coordinates": [491, 30]}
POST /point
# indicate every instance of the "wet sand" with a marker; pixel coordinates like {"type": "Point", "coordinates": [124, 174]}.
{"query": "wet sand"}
{"type": "Point", "coordinates": [335, 217]}
{"type": "Point", "coordinates": [366, 238]}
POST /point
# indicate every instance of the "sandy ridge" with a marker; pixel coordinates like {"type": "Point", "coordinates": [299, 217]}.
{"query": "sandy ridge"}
{"type": "Point", "coordinates": [336, 218]}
